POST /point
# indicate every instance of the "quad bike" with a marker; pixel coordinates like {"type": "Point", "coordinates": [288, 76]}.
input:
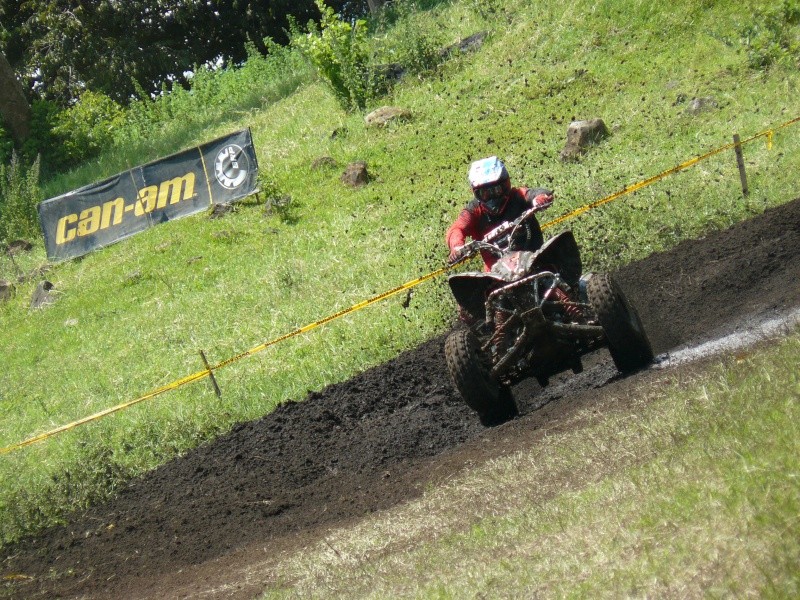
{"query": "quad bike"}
{"type": "Point", "coordinates": [534, 315]}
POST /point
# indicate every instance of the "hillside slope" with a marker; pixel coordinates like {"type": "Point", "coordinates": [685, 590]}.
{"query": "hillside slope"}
{"type": "Point", "coordinates": [377, 440]}
{"type": "Point", "coordinates": [671, 81]}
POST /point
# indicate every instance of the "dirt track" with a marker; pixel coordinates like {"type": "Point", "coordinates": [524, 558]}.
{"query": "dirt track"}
{"type": "Point", "coordinates": [376, 440]}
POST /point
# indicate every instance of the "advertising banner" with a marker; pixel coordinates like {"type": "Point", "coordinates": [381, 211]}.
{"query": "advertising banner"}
{"type": "Point", "coordinates": [186, 183]}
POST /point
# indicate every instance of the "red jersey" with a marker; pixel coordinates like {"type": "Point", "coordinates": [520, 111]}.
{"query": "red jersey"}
{"type": "Point", "coordinates": [475, 221]}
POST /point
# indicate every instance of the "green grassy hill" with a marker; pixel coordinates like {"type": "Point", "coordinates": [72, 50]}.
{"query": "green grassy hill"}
{"type": "Point", "coordinates": [133, 316]}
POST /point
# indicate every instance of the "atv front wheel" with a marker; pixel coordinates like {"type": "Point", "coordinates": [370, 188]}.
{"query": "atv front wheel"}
{"type": "Point", "coordinates": [627, 342]}
{"type": "Point", "coordinates": [492, 400]}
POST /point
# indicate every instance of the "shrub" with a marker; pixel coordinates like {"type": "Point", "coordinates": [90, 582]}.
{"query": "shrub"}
{"type": "Point", "coordinates": [274, 76]}
{"type": "Point", "coordinates": [211, 94]}
{"type": "Point", "coordinates": [340, 52]}
{"type": "Point", "coordinates": [87, 127]}
{"type": "Point", "coordinates": [278, 202]}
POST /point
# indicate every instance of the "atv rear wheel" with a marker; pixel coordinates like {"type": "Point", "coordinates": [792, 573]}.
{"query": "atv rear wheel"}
{"type": "Point", "coordinates": [627, 342]}
{"type": "Point", "coordinates": [469, 370]}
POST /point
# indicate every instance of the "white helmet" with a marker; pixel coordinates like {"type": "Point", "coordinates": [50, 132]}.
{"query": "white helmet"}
{"type": "Point", "coordinates": [490, 183]}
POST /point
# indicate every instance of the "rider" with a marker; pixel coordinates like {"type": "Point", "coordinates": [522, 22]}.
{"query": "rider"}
{"type": "Point", "coordinates": [495, 202]}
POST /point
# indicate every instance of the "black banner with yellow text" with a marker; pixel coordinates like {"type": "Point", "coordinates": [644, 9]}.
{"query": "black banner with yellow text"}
{"type": "Point", "coordinates": [186, 183]}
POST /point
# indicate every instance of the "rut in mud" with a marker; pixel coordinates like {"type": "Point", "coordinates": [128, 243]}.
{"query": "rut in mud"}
{"type": "Point", "coordinates": [374, 441]}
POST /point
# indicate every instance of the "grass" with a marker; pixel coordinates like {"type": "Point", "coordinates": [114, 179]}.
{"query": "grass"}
{"type": "Point", "coordinates": [691, 490]}
{"type": "Point", "coordinates": [133, 316]}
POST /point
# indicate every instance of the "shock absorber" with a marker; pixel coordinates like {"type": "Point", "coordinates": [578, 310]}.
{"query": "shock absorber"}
{"type": "Point", "coordinates": [499, 337]}
{"type": "Point", "coordinates": [572, 311]}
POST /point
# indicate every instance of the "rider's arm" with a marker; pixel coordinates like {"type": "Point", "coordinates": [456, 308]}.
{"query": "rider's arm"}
{"type": "Point", "coordinates": [463, 226]}
{"type": "Point", "coordinates": [540, 198]}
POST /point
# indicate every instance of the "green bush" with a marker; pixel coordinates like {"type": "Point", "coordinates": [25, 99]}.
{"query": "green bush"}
{"type": "Point", "coordinates": [340, 52]}
{"type": "Point", "coordinates": [271, 77]}
{"type": "Point", "coordinates": [277, 201]}
{"type": "Point", "coordinates": [19, 195]}
{"type": "Point", "coordinates": [87, 127]}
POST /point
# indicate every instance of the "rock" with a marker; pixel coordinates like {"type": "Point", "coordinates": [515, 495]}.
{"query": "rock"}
{"type": "Point", "coordinates": [6, 290]}
{"type": "Point", "coordinates": [472, 43]}
{"type": "Point", "coordinates": [220, 210]}
{"type": "Point", "coordinates": [356, 174]}
{"type": "Point", "coordinates": [698, 105]}
{"type": "Point", "coordinates": [580, 135]}
{"type": "Point", "coordinates": [385, 114]}
{"type": "Point", "coordinates": [43, 295]}
{"type": "Point", "coordinates": [18, 246]}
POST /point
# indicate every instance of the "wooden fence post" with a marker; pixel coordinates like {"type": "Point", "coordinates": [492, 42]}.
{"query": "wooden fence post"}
{"type": "Point", "coordinates": [217, 391]}
{"type": "Point", "coordinates": [740, 162]}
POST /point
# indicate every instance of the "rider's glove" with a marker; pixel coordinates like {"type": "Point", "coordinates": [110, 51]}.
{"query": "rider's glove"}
{"type": "Point", "coordinates": [456, 254]}
{"type": "Point", "coordinates": [539, 197]}
{"type": "Point", "coordinates": [542, 201]}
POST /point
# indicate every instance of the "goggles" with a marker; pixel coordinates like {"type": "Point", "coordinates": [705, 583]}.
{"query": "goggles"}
{"type": "Point", "coordinates": [487, 193]}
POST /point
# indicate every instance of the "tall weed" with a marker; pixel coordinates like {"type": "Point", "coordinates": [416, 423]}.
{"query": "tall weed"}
{"type": "Point", "coordinates": [19, 195]}
{"type": "Point", "coordinates": [6, 145]}
{"type": "Point", "coordinates": [414, 40]}
{"type": "Point", "coordinates": [215, 94]}
{"type": "Point", "coordinates": [772, 37]}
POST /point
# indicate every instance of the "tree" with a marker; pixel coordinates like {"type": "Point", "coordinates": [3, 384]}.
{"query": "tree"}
{"type": "Point", "coordinates": [14, 106]}
{"type": "Point", "coordinates": [375, 5]}
{"type": "Point", "coordinates": [62, 47]}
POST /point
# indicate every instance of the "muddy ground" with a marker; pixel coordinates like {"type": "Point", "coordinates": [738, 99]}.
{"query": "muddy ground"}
{"type": "Point", "coordinates": [377, 440]}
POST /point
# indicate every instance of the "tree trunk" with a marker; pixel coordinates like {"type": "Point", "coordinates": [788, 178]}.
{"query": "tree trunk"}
{"type": "Point", "coordinates": [14, 107]}
{"type": "Point", "coordinates": [375, 5]}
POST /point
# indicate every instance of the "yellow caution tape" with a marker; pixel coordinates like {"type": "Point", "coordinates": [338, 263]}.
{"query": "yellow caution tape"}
{"type": "Point", "coordinates": [17, 577]}
{"type": "Point", "coordinates": [406, 286]}
{"type": "Point", "coordinates": [650, 180]}
{"type": "Point", "coordinates": [225, 363]}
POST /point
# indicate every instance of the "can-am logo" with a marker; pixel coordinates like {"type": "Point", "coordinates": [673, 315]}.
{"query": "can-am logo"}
{"type": "Point", "coordinates": [231, 167]}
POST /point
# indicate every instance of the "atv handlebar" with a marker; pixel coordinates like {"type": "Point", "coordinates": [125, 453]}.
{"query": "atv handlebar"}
{"type": "Point", "coordinates": [493, 241]}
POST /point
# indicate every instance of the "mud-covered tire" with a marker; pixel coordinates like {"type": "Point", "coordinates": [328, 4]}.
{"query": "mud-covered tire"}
{"type": "Point", "coordinates": [492, 400]}
{"type": "Point", "coordinates": [627, 341]}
